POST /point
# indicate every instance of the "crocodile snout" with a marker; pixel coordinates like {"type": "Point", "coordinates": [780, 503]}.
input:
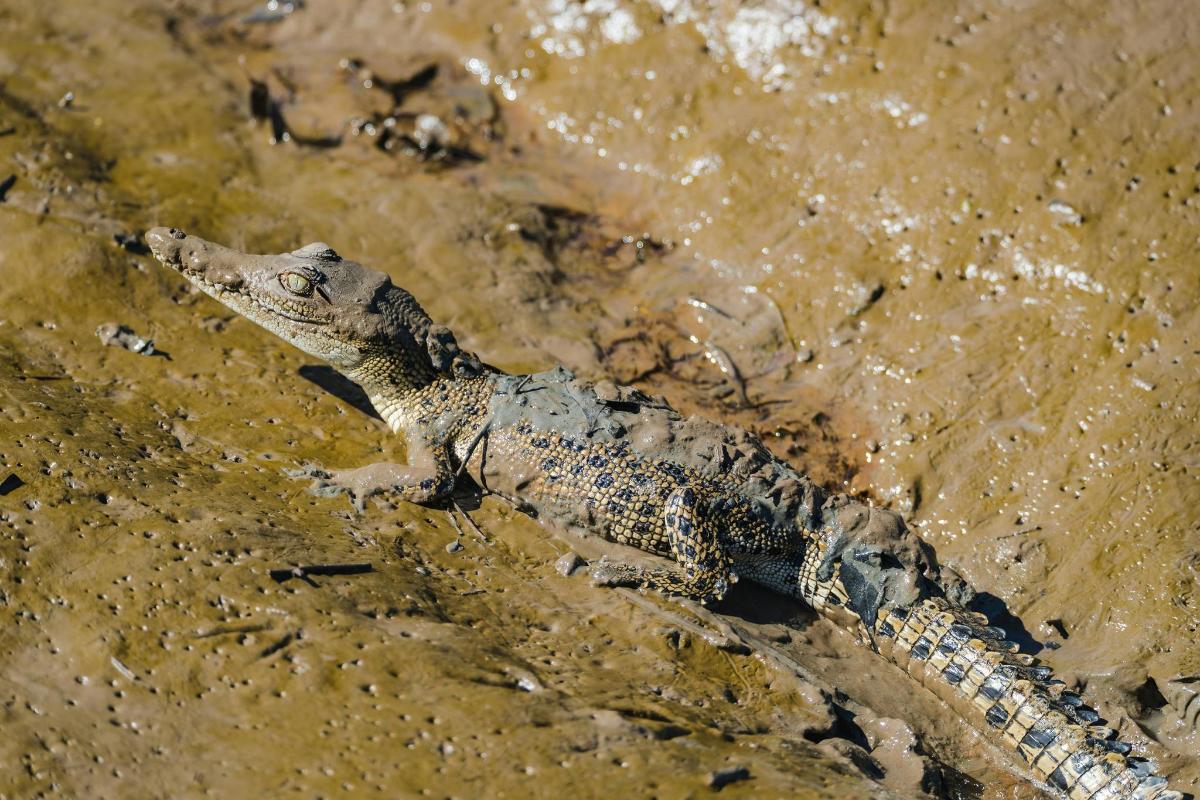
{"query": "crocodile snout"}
{"type": "Point", "coordinates": [165, 244]}
{"type": "Point", "coordinates": [195, 257]}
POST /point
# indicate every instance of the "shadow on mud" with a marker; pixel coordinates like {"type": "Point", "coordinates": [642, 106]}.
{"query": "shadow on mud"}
{"type": "Point", "coordinates": [340, 387]}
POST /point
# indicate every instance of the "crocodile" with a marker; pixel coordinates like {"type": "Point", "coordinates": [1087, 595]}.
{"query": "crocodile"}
{"type": "Point", "coordinates": [709, 498]}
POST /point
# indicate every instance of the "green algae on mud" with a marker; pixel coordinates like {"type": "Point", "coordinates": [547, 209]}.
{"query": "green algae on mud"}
{"type": "Point", "coordinates": [940, 253]}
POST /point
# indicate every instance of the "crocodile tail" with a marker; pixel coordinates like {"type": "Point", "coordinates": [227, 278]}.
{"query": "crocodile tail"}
{"type": "Point", "coordinates": [963, 660]}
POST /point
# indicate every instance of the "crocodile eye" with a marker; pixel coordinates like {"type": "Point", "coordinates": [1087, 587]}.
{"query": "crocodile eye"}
{"type": "Point", "coordinates": [296, 283]}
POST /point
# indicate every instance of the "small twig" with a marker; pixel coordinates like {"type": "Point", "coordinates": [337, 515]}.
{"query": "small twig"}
{"type": "Point", "coordinates": [525, 379]}
{"type": "Point", "coordinates": [304, 572]}
{"type": "Point", "coordinates": [120, 667]}
{"type": "Point", "coordinates": [471, 522]}
{"type": "Point", "coordinates": [223, 630]}
{"type": "Point", "coordinates": [704, 305]}
{"type": "Point", "coordinates": [454, 520]}
{"type": "Point", "coordinates": [487, 426]}
{"type": "Point", "coordinates": [717, 355]}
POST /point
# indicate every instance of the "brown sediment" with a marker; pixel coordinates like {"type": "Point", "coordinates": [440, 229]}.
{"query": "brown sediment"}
{"type": "Point", "coordinates": [943, 255]}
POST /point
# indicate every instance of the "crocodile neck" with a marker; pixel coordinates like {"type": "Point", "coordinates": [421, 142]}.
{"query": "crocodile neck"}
{"type": "Point", "coordinates": [396, 381]}
{"type": "Point", "coordinates": [405, 403]}
{"type": "Point", "coordinates": [397, 406]}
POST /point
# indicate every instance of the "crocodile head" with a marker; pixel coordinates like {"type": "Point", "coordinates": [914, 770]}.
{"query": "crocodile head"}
{"type": "Point", "coordinates": [338, 310]}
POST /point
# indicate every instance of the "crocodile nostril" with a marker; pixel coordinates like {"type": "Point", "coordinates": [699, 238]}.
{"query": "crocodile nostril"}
{"type": "Point", "coordinates": [228, 279]}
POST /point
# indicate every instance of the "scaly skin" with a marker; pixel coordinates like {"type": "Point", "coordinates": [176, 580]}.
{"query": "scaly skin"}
{"type": "Point", "coordinates": [614, 462]}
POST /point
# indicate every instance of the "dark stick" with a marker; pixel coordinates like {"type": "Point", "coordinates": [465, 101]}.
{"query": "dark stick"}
{"type": "Point", "coordinates": [287, 573]}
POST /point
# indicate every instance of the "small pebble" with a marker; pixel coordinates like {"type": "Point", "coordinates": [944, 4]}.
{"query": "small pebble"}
{"type": "Point", "coordinates": [117, 335]}
{"type": "Point", "coordinates": [568, 562]}
{"type": "Point", "coordinates": [1066, 212]}
{"type": "Point", "coordinates": [454, 546]}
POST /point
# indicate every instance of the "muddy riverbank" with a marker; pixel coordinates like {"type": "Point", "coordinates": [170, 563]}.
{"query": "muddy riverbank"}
{"type": "Point", "coordinates": [942, 255]}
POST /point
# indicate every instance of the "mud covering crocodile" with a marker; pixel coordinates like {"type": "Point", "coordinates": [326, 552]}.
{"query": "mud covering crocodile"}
{"type": "Point", "coordinates": [612, 461]}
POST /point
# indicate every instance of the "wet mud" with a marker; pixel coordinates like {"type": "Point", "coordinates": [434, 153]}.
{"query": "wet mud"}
{"type": "Point", "coordinates": [940, 256]}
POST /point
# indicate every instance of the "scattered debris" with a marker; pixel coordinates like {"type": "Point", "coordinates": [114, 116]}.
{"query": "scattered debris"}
{"type": "Point", "coordinates": [461, 121]}
{"type": "Point", "coordinates": [863, 296]}
{"type": "Point", "coordinates": [642, 244]}
{"type": "Point", "coordinates": [400, 89]}
{"type": "Point", "coordinates": [125, 671]}
{"type": "Point", "coordinates": [429, 132]}
{"type": "Point", "coordinates": [361, 539]}
{"type": "Point", "coordinates": [526, 681]}
{"type": "Point", "coordinates": [116, 335]}
{"type": "Point", "coordinates": [264, 107]}
{"type": "Point", "coordinates": [1057, 627]}
{"type": "Point", "coordinates": [723, 777]}
{"type": "Point", "coordinates": [305, 572]}
{"type": "Point", "coordinates": [454, 546]}
{"type": "Point", "coordinates": [5, 185]}
{"type": "Point", "coordinates": [273, 11]}
{"type": "Point", "coordinates": [10, 484]}
{"type": "Point", "coordinates": [1066, 212]}
{"type": "Point", "coordinates": [131, 242]}
{"type": "Point", "coordinates": [423, 136]}
{"type": "Point", "coordinates": [66, 100]}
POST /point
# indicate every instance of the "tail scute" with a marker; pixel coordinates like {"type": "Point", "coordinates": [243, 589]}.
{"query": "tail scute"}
{"type": "Point", "coordinates": [971, 665]}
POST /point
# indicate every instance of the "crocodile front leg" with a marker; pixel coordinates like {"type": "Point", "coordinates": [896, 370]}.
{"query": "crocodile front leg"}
{"type": "Point", "coordinates": [428, 477]}
{"type": "Point", "coordinates": [706, 572]}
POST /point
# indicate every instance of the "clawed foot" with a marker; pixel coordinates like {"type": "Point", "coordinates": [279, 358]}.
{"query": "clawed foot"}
{"type": "Point", "coordinates": [614, 573]}
{"type": "Point", "coordinates": [413, 483]}
{"type": "Point", "coordinates": [331, 483]}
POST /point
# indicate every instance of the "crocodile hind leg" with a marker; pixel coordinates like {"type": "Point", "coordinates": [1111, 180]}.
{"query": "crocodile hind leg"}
{"type": "Point", "coordinates": [704, 572]}
{"type": "Point", "coordinates": [428, 477]}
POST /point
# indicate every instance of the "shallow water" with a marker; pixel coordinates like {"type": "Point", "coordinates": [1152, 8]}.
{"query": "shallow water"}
{"type": "Point", "coordinates": [941, 255]}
